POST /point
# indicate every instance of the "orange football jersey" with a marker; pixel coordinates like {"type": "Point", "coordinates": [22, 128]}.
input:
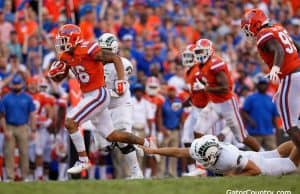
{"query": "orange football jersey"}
{"type": "Point", "coordinates": [291, 59]}
{"type": "Point", "coordinates": [198, 98]}
{"type": "Point", "coordinates": [88, 71]}
{"type": "Point", "coordinates": [209, 70]}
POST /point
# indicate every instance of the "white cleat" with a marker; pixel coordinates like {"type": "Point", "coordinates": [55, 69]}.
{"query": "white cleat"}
{"type": "Point", "coordinates": [135, 177]}
{"type": "Point", "coordinates": [78, 167]}
{"type": "Point", "coordinates": [197, 172]}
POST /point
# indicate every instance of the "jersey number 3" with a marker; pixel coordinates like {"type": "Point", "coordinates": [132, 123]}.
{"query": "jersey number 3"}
{"type": "Point", "coordinates": [81, 74]}
{"type": "Point", "coordinates": [287, 41]}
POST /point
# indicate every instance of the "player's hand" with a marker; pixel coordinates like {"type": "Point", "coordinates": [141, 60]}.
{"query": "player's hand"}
{"type": "Point", "coordinates": [147, 150]}
{"type": "Point", "coordinates": [57, 68]}
{"type": "Point", "coordinates": [197, 86]}
{"type": "Point", "coordinates": [7, 134]}
{"type": "Point", "coordinates": [121, 86]}
{"type": "Point", "coordinates": [274, 74]}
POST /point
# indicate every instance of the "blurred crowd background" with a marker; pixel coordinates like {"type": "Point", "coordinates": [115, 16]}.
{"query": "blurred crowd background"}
{"type": "Point", "coordinates": [152, 35]}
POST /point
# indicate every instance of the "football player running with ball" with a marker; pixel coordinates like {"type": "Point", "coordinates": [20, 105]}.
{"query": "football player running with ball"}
{"type": "Point", "coordinates": [86, 60]}
{"type": "Point", "coordinates": [279, 52]}
{"type": "Point", "coordinates": [120, 105]}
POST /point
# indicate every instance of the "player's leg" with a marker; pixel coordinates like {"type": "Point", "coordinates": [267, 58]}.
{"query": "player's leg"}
{"type": "Point", "coordinates": [9, 150]}
{"type": "Point", "coordinates": [92, 103]}
{"type": "Point", "coordinates": [41, 141]}
{"type": "Point", "coordinates": [289, 106]}
{"type": "Point", "coordinates": [188, 136]}
{"type": "Point", "coordinates": [122, 121]}
{"type": "Point", "coordinates": [234, 121]}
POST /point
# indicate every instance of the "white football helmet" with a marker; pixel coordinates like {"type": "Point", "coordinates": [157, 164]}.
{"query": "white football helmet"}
{"type": "Point", "coordinates": [152, 86]}
{"type": "Point", "coordinates": [203, 51]}
{"type": "Point", "coordinates": [109, 41]}
{"type": "Point", "coordinates": [188, 56]}
{"type": "Point", "coordinates": [206, 150]}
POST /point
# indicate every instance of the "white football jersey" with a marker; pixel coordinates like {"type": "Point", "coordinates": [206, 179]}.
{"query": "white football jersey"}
{"type": "Point", "coordinates": [110, 74]}
{"type": "Point", "coordinates": [229, 159]}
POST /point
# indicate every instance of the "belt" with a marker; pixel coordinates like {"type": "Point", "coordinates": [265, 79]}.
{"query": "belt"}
{"type": "Point", "coordinates": [16, 125]}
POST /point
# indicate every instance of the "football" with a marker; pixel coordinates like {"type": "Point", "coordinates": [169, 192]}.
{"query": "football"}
{"type": "Point", "coordinates": [58, 71]}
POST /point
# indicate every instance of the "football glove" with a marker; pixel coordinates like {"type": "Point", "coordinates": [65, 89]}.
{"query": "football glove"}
{"type": "Point", "coordinates": [121, 86]}
{"type": "Point", "coordinates": [274, 73]}
{"type": "Point", "coordinates": [57, 68]}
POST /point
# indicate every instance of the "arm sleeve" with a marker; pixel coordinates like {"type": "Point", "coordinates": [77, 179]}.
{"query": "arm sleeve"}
{"type": "Point", "coordinates": [218, 66]}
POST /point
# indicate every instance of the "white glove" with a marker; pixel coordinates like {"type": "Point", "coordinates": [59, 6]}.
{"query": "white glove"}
{"type": "Point", "coordinates": [121, 86]}
{"type": "Point", "coordinates": [198, 85]}
{"type": "Point", "coordinates": [274, 73]}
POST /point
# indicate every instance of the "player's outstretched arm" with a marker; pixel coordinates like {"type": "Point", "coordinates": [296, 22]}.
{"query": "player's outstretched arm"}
{"type": "Point", "coordinates": [223, 85]}
{"type": "Point", "coordinates": [169, 151]}
{"type": "Point", "coordinates": [106, 56]}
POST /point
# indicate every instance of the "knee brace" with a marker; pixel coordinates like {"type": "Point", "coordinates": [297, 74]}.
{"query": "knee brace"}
{"type": "Point", "coordinates": [126, 148]}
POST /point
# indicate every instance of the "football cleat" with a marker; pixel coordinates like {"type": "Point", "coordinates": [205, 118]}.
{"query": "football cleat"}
{"type": "Point", "coordinates": [78, 167]}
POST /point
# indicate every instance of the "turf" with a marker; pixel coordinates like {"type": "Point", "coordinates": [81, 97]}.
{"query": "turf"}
{"type": "Point", "coordinates": [161, 186]}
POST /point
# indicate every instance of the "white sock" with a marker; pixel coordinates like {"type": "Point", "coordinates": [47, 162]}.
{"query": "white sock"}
{"type": "Point", "coordinates": [133, 164]}
{"type": "Point", "coordinates": [92, 172]}
{"type": "Point", "coordinates": [78, 141]}
{"type": "Point", "coordinates": [102, 171]}
{"type": "Point", "coordinates": [83, 158]}
{"type": "Point", "coordinates": [191, 167]}
{"type": "Point", "coordinates": [148, 172]}
{"type": "Point", "coordinates": [62, 171]}
{"type": "Point", "coordinates": [38, 172]}
{"type": "Point", "coordinates": [270, 154]}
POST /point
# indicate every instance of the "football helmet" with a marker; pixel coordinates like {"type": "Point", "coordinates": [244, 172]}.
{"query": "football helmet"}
{"type": "Point", "coordinates": [252, 22]}
{"type": "Point", "coordinates": [68, 36]}
{"type": "Point", "coordinates": [206, 150]}
{"type": "Point", "coordinates": [203, 50]}
{"type": "Point", "coordinates": [109, 41]}
{"type": "Point", "coordinates": [152, 86]}
{"type": "Point", "coordinates": [188, 56]}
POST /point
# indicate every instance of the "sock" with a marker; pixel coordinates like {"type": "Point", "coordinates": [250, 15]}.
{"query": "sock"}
{"type": "Point", "coordinates": [133, 164]}
{"type": "Point", "coordinates": [191, 167]}
{"type": "Point", "coordinates": [62, 171]}
{"type": "Point", "coordinates": [102, 171]}
{"type": "Point", "coordinates": [83, 158]}
{"type": "Point", "coordinates": [38, 172]}
{"type": "Point", "coordinates": [270, 154]}
{"type": "Point", "coordinates": [92, 172]}
{"type": "Point", "coordinates": [78, 141]}
{"type": "Point", "coordinates": [148, 172]}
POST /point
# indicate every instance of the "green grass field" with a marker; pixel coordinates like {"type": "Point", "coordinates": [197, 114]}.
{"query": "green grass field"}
{"type": "Point", "coordinates": [160, 186]}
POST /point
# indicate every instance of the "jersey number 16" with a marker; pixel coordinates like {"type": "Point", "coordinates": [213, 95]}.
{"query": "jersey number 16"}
{"type": "Point", "coordinates": [81, 74]}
